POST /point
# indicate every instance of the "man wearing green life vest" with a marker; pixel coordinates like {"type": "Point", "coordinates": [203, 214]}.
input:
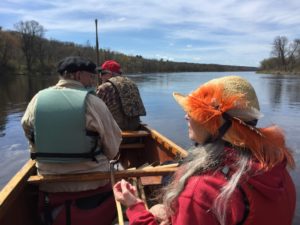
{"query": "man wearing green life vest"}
{"type": "Point", "coordinates": [70, 130]}
{"type": "Point", "coordinates": [121, 95]}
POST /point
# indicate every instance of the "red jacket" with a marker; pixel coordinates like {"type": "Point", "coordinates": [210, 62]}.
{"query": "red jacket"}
{"type": "Point", "coordinates": [270, 196]}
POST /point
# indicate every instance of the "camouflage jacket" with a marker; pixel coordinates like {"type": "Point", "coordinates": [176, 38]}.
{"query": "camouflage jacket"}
{"type": "Point", "coordinates": [129, 95]}
{"type": "Point", "coordinates": [122, 97]}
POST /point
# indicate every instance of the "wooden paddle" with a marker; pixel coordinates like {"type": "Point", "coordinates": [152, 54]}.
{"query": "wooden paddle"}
{"type": "Point", "coordinates": [113, 181]}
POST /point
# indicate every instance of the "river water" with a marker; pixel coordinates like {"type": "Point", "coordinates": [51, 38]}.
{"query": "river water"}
{"type": "Point", "coordinates": [279, 98]}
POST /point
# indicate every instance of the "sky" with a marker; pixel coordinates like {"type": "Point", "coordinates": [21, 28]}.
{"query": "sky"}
{"type": "Point", "coordinates": [228, 32]}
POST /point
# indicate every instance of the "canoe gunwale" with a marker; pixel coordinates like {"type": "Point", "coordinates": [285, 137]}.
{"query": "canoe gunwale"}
{"type": "Point", "coordinates": [15, 186]}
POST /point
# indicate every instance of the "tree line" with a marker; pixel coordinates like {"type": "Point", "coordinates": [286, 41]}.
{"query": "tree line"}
{"type": "Point", "coordinates": [285, 56]}
{"type": "Point", "coordinates": [25, 50]}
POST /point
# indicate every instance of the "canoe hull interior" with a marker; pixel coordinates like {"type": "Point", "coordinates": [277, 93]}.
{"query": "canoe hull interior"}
{"type": "Point", "coordinates": [18, 199]}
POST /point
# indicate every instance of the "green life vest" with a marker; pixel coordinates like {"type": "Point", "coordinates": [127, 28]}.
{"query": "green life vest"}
{"type": "Point", "coordinates": [59, 127]}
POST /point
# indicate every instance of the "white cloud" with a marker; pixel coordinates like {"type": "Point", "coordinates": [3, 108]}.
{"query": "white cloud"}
{"type": "Point", "coordinates": [231, 26]}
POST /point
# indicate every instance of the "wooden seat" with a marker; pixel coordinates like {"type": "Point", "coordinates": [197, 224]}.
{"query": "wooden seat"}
{"type": "Point", "coordinates": [132, 146]}
{"type": "Point", "coordinates": [155, 171]}
{"type": "Point", "coordinates": [133, 139]}
{"type": "Point", "coordinates": [136, 133]}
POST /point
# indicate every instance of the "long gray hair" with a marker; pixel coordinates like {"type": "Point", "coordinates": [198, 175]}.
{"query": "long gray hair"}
{"type": "Point", "coordinates": [200, 160]}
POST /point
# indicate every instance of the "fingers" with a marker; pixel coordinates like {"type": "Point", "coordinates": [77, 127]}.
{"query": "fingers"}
{"type": "Point", "coordinates": [125, 193]}
{"type": "Point", "coordinates": [117, 186]}
{"type": "Point", "coordinates": [126, 189]}
{"type": "Point", "coordinates": [124, 185]}
{"type": "Point", "coordinates": [118, 191]}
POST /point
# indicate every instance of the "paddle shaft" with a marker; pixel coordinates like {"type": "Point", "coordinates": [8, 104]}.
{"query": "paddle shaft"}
{"type": "Point", "coordinates": [118, 204]}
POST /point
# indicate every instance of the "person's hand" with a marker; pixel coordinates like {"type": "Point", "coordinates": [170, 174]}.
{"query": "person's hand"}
{"type": "Point", "coordinates": [160, 213]}
{"type": "Point", "coordinates": [125, 193]}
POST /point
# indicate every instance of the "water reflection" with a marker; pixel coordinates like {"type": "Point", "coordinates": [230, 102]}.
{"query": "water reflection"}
{"type": "Point", "coordinates": [16, 92]}
{"type": "Point", "coordinates": [275, 89]}
{"type": "Point", "coordinates": [293, 89]}
{"type": "Point", "coordinates": [284, 90]}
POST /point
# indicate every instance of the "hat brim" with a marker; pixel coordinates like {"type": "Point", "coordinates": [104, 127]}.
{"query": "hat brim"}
{"type": "Point", "coordinates": [181, 100]}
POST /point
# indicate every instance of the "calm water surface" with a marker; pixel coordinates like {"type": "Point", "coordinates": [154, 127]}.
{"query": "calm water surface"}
{"type": "Point", "coordinates": [279, 98]}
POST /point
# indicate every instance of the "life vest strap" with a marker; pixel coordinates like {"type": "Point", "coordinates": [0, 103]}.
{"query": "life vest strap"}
{"type": "Point", "coordinates": [68, 211]}
{"type": "Point", "coordinates": [47, 211]}
{"type": "Point", "coordinates": [91, 155]}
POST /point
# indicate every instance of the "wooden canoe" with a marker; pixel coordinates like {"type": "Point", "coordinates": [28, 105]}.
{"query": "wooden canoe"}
{"type": "Point", "coordinates": [18, 199]}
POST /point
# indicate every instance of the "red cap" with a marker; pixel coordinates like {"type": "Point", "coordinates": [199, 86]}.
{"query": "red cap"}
{"type": "Point", "coordinates": [111, 66]}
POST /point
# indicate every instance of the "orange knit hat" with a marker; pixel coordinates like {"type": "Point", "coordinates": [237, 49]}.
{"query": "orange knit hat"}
{"type": "Point", "coordinates": [235, 96]}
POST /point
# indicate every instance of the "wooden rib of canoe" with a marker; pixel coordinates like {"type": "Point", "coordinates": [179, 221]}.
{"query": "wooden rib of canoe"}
{"type": "Point", "coordinates": [18, 199]}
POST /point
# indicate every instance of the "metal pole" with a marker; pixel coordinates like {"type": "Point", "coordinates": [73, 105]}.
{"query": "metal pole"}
{"type": "Point", "coordinates": [97, 44]}
{"type": "Point", "coordinates": [99, 81]}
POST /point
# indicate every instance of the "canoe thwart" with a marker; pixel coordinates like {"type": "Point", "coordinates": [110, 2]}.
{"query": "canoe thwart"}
{"type": "Point", "coordinates": [136, 133]}
{"type": "Point", "coordinates": [132, 146]}
{"type": "Point", "coordinates": [153, 171]}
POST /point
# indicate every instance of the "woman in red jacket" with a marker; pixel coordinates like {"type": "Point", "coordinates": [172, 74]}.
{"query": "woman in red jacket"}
{"type": "Point", "coordinates": [237, 172]}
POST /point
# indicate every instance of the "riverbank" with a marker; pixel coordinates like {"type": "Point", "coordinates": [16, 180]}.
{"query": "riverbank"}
{"type": "Point", "coordinates": [278, 72]}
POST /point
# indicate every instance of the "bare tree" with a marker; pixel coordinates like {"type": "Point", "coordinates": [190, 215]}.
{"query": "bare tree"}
{"type": "Point", "coordinates": [280, 50]}
{"type": "Point", "coordinates": [31, 33]}
{"type": "Point", "coordinates": [293, 53]}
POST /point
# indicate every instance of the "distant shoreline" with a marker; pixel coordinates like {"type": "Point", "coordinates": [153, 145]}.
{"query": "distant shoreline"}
{"type": "Point", "coordinates": [278, 72]}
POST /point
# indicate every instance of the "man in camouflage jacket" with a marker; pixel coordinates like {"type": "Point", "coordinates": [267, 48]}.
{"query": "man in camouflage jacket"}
{"type": "Point", "coordinates": [121, 95]}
